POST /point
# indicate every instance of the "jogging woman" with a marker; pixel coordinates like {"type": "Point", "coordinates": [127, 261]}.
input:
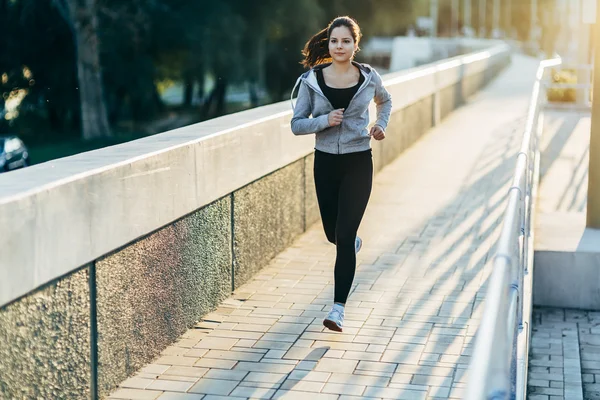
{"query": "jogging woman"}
{"type": "Point", "coordinates": [336, 92]}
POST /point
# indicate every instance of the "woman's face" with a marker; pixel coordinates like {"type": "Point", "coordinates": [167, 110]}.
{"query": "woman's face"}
{"type": "Point", "coordinates": [341, 44]}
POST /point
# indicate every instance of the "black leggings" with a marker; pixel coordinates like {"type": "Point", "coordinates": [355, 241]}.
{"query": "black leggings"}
{"type": "Point", "coordinates": [343, 183]}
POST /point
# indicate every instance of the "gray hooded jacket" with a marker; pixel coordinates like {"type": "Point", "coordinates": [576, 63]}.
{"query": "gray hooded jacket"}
{"type": "Point", "coordinates": [351, 135]}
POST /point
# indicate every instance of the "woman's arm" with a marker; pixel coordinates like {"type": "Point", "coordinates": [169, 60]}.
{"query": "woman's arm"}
{"type": "Point", "coordinates": [301, 123]}
{"type": "Point", "coordinates": [383, 100]}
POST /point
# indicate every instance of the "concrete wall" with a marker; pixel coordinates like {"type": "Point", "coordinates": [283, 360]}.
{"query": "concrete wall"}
{"type": "Point", "coordinates": [166, 227]}
{"type": "Point", "coordinates": [406, 126]}
{"type": "Point", "coordinates": [151, 291]}
{"type": "Point", "coordinates": [267, 215]}
{"type": "Point", "coordinates": [566, 271]}
{"type": "Point", "coordinates": [402, 52]}
{"type": "Point", "coordinates": [45, 342]}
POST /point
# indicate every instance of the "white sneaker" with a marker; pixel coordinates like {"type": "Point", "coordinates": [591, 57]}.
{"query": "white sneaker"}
{"type": "Point", "coordinates": [335, 318]}
{"type": "Point", "coordinates": [357, 244]}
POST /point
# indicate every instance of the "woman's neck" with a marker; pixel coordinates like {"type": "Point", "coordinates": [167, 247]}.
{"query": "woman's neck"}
{"type": "Point", "coordinates": [341, 68]}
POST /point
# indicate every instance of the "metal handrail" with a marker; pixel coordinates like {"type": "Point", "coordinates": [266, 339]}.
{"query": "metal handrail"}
{"type": "Point", "coordinates": [493, 371]}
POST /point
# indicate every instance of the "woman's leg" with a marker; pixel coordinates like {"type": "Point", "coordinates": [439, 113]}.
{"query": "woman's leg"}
{"type": "Point", "coordinates": [354, 193]}
{"type": "Point", "coordinates": [327, 185]}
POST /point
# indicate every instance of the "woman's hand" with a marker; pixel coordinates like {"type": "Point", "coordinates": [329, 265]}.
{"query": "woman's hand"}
{"type": "Point", "coordinates": [335, 117]}
{"type": "Point", "coordinates": [377, 132]}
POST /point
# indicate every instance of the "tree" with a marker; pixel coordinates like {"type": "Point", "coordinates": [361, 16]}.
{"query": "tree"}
{"type": "Point", "coordinates": [147, 43]}
{"type": "Point", "coordinates": [38, 57]}
{"type": "Point", "coordinates": [291, 25]}
{"type": "Point", "coordinates": [81, 17]}
{"type": "Point", "coordinates": [136, 47]}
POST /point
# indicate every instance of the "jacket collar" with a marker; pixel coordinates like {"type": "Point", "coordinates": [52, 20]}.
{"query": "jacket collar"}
{"type": "Point", "coordinates": [310, 77]}
{"type": "Point", "coordinates": [362, 67]}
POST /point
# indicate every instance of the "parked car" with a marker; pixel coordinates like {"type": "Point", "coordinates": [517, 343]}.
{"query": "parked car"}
{"type": "Point", "coordinates": [13, 153]}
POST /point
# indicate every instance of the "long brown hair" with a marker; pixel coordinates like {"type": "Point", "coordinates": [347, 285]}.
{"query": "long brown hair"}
{"type": "Point", "coordinates": [316, 50]}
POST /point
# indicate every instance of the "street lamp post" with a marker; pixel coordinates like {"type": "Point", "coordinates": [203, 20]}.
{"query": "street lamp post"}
{"type": "Point", "coordinates": [467, 17]}
{"type": "Point", "coordinates": [482, 15]}
{"type": "Point", "coordinates": [533, 21]}
{"type": "Point", "coordinates": [433, 12]}
{"type": "Point", "coordinates": [508, 17]}
{"type": "Point", "coordinates": [454, 17]}
{"type": "Point", "coordinates": [496, 18]}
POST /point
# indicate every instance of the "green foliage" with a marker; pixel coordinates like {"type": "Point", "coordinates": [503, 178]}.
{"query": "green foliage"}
{"type": "Point", "coordinates": [147, 45]}
{"type": "Point", "coordinates": [35, 36]}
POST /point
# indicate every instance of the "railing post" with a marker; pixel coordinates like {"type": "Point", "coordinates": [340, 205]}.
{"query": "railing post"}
{"type": "Point", "coordinates": [513, 366]}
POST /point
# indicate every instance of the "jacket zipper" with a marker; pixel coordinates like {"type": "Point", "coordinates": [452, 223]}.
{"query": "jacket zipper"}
{"type": "Point", "coordinates": [340, 135]}
{"type": "Point", "coordinates": [363, 86]}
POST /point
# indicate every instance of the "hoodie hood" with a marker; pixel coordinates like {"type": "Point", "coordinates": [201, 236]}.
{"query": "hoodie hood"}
{"type": "Point", "coordinates": [310, 78]}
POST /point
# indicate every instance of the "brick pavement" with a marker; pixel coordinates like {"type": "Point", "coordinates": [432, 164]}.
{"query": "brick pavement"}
{"type": "Point", "coordinates": [431, 225]}
{"type": "Point", "coordinates": [565, 355]}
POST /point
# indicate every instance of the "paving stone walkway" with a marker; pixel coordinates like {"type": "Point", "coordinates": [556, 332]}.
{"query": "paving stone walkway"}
{"type": "Point", "coordinates": [565, 355]}
{"type": "Point", "coordinates": [429, 232]}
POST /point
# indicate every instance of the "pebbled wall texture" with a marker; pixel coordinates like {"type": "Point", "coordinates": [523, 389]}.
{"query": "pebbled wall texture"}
{"type": "Point", "coordinates": [80, 337]}
{"type": "Point", "coordinates": [152, 291]}
{"type": "Point", "coordinates": [267, 216]}
{"type": "Point", "coordinates": [45, 342]}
